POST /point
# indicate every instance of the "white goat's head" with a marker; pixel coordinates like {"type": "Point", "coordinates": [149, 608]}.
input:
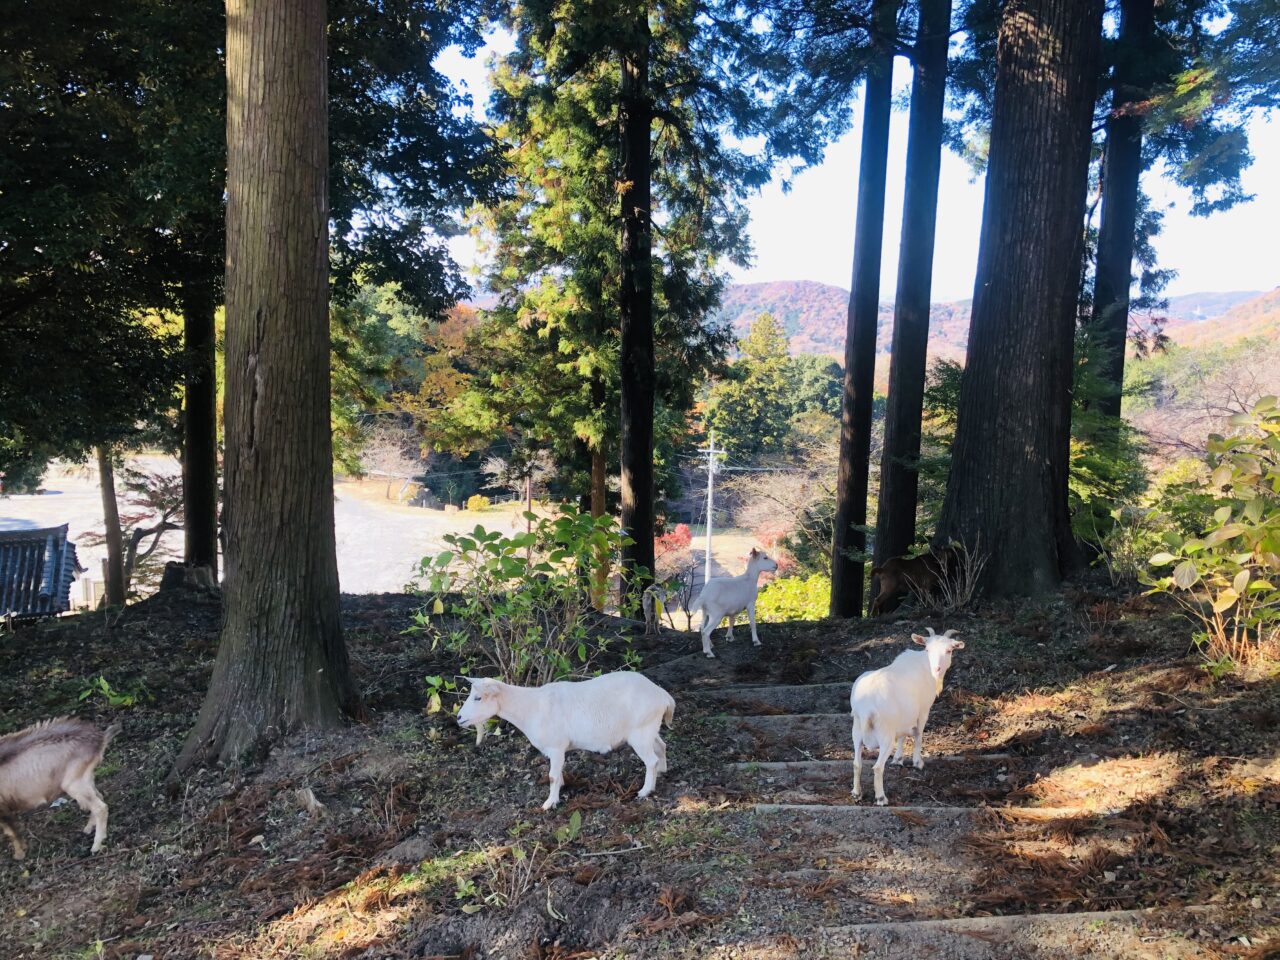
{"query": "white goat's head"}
{"type": "Point", "coordinates": [938, 648]}
{"type": "Point", "coordinates": [481, 706]}
{"type": "Point", "coordinates": [760, 562]}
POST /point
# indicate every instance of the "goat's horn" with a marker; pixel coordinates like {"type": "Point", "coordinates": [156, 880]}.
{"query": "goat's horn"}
{"type": "Point", "coordinates": [931, 633]}
{"type": "Point", "coordinates": [950, 633]}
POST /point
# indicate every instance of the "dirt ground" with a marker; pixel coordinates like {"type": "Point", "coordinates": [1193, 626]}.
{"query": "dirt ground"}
{"type": "Point", "coordinates": [1081, 769]}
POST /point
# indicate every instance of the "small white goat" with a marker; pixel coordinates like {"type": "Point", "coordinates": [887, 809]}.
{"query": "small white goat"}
{"type": "Point", "coordinates": [728, 596]}
{"type": "Point", "coordinates": [599, 715]}
{"type": "Point", "coordinates": [46, 760]}
{"type": "Point", "coordinates": [894, 701]}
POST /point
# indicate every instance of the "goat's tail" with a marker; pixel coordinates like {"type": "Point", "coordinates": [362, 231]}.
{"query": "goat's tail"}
{"type": "Point", "coordinates": [670, 712]}
{"type": "Point", "coordinates": [696, 605]}
{"type": "Point", "coordinates": [108, 735]}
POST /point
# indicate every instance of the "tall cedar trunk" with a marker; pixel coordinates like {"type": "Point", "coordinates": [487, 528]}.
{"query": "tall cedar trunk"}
{"type": "Point", "coordinates": [114, 587]}
{"type": "Point", "coordinates": [1122, 169]}
{"type": "Point", "coordinates": [282, 665]}
{"type": "Point", "coordinates": [600, 577]}
{"type": "Point", "coordinates": [636, 307]}
{"type": "Point", "coordinates": [860, 339]}
{"type": "Point", "coordinates": [1007, 492]}
{"type": "Point", "coordinates": [899, 467]}
{"type": "Point", "coordinates": [200, 430]}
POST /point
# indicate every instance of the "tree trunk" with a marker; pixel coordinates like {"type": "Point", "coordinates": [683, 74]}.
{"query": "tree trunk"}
{"type": "Point", "coordinates": [282, 664]}
{"type": "Point", "coordinates": [200, 431]}
{"type": "Point", "coordinates": [636, 358]}
{"type": "Point", "coordinates": [850, 538]}
{"type": "Point", "coordinates": [114, 587]}
{"type": "Point", "coordinates": [1007, 492]}
{"type": "Point", "coordinates": [899, 466]}
{"type": "Point", "coordinates": [1122, 169]}
{"type": "Point", "coordinates": [600, 576]}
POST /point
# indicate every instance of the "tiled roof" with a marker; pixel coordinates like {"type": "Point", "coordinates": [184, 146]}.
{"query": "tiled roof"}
{"type": "Point", "coordinates": [36, 570]}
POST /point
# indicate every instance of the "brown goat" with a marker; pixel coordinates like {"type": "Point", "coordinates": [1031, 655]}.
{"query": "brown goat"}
{"type": "Point", "coordinates": [900, 575]}
{"type": "Point", "coordinates": [46, 760]}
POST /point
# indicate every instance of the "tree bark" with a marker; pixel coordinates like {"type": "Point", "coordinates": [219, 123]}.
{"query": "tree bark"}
{"type": "Point", "coordinates": [1007, 491]}
{"type": "Point", "coordinates": [114, 587]}
{"type": "Point", "coordinates": [899, 466]}
{"type": "Point", "coordinates": [200, 431]}
{"type": "Point", "coordinates": [636, 360]}
{"type": "Point", "coordinates": [850, 539]}
{"type": "Point", "coordinates": [1121, 172]}
{"type": "Point", "coordinates": [600, 576]}
{"type": "Point", "coordinates": [282, 664]}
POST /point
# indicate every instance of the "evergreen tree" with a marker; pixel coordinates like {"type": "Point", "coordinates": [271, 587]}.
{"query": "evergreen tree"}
{"type": "Point", "coordinates": [282, 663]}
{"type": "Point", "coordinates": [899, 470]}
{"type": "Point", "coordinates": [751, 408]}
{"type": "Point", "coordinates": [1007, 490]}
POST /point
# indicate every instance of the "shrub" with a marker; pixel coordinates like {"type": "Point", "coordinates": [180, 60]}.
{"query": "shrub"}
{"type": "Point", "coordinates": [1223, 576]}
{"type": "Point", "coordinates": [678, 538]}
{"type": "Point", "coordinates": [521, 603]}
{"type": "Point", "coordinates": [477, 502]}
{"type": "Point", "coordinates": [794, 598]}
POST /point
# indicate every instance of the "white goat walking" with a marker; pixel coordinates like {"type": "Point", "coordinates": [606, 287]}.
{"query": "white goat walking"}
{"type": "Point", "coordinates": [889, 703]}
{"type": "Point", "coordinates": [728, 596]}
{"type": "Point", "coordinates": [599, 714]}
{"type": "Point", "coordinates": [46, 760]}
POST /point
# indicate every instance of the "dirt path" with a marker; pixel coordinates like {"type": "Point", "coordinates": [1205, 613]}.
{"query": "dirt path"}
{"type": "Point", "coordinates": [1088, 791]}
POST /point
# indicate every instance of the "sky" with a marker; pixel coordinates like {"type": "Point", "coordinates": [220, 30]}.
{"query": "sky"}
{"type": "Point", "coordinates": [807, 233]}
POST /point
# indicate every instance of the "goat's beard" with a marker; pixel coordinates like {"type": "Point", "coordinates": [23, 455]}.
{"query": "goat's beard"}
{"type": "Point", "coordinates": [481, 729]}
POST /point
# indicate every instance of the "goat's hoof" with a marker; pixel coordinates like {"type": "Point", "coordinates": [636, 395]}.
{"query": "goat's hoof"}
{"type": "Point", "coordinates": [550, 804]}
{"type": "Point", "coordinates": [95, 848]}
{"type": "Point", "coordinates": [882, 801]}
{"type": "Point", "coordinates": [19, 854]}
{"type": "Point", "coordinates": [897, 761]}
{"type": "Point", "coordinates": [756, 643]}
{"type": "Point", "coordinates": [918, 764]}
{"type": "Point", "coordinates": [88, 829]}
{"type": "Point", "coordinates": [643, 793]}
{"type": "Point", "coordinates": [710, 655]}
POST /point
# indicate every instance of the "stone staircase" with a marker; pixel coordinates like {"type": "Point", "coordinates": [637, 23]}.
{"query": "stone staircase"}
{"type": "Point", "coordinates": [866, 881]}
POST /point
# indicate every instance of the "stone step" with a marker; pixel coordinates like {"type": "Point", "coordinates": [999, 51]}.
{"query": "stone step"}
{"type": "Point", "coordinates": [757, 699]}
{"type": "Point", "coordinates": [1141, 933]}
{"type": "Point", "coordinates": [965, 779]}
{"type": "Point", "coordinates": [931, 812]}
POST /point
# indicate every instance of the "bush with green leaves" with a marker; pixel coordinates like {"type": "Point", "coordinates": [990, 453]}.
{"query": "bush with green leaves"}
{"type": "Point", "coordinates": [1226, 575]}
{"type": "Point", "coordinates": [794, 598]}
{"type": "Point", "coordinates": [520, 605]}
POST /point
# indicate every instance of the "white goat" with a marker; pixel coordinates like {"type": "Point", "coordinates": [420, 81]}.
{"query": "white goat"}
{"type": "Point", "coordinates": [599, 715]}
{"type": "Point", "coordinates": [46, 760]}
{"type": "Point", "coordinates": [889, 703]}
{"type": "Point", "coordinates": [728, 596]}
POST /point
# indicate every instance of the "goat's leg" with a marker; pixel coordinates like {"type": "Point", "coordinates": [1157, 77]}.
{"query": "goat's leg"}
{"type": "Point", "coordinates": [917, 734]}
{"type": "Point", "coordinates": [643, 743]}
{"type": "Point", "coordinates": [19, 851]}
{"type": "Point", "coordinates": [857, 759]}
{"type": "Point", "coordinates": [897, 753]}
{"type": "Point", "coordinates": [881, 759]}
{"type": "Point", "coordinates": [85, 794]}
{"type": "Point", "coordinates": [660, 746]}
{"type": "Point", "coordinates": [732, 617]}
{"type": "Point", "coordinates": [557, 778]}
{"type": "Point", "coordinates": [707, 627]}
{"type": "Point", "coordinates": [751, 618]}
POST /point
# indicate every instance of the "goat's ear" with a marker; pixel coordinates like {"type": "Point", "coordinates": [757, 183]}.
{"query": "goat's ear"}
{"type": "Point", "coordinates": [957, 644]}
{"type": "Point", "coordinates": [918, 639]}
{"type": "Point", "coordinates": [754, 552]}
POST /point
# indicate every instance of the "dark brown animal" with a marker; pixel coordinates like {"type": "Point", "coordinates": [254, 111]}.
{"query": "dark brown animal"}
{"type": "Point", "coordinates": [900, 576]}
{"type": "Point", "coordinates": [46, 760]}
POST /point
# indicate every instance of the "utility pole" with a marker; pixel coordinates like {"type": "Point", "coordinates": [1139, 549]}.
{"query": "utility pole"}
{"type": "Point", "coordinates": [711, 480]}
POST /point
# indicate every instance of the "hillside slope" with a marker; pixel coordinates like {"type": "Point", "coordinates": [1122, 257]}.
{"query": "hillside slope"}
{"type": "Point", "coordinates": [1258, 316]}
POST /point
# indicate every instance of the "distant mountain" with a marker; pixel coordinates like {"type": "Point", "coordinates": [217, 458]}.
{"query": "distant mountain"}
{"type": "Point", "coordinates": [815, 314]}
{"type": "Point", "coordinates": [1195, 307]}
{"type": "Point", "coordinates": [1258, 316]}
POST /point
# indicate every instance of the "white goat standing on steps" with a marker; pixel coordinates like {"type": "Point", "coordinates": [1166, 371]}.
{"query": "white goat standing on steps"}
{"type": "Point", "coordinates": [894, 701]}
{"type": "Point", "coordinates": [728, 596]}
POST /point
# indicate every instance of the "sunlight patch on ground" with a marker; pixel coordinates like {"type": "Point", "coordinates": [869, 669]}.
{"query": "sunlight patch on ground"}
{"type": "Point", "coordinates": [1096, 784]}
